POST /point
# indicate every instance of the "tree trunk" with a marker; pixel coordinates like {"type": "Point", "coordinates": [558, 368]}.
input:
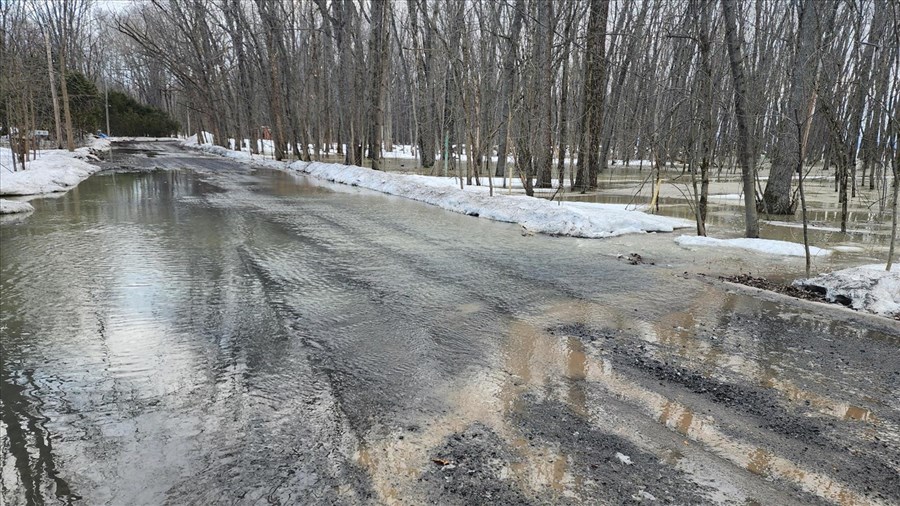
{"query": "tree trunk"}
{"type": "Point", "coordinates": [563, 131]}
{"type": "Point", "coordinates": [53, 94]}
{"type": "Point", "coordinates": [594, 92]}
{"type": "Point", "coordinates": [777, 196]}
{"type": "Point", "coordinates": [508, 80]}
{"type": "Point", "coordinates": [377, 60]}
{"type": "Point", "coordinates": [274, 31]}
{"type": "Point", "coordinates": [543, 148]}
{"type": "Point", "coordinates": [748, 166]}
{"type": "Point", "coordinates": [706, 111]}
{"type": "Point", "coordinates": [70, 141]}
{"type": "Point", "coordinates": [424, 56]}
{"type": "Point", "coordinates": [388, 122]}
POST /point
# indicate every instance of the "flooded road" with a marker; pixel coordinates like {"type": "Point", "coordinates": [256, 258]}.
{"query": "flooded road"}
{"type": "Point", "coordinates": [206, 333]}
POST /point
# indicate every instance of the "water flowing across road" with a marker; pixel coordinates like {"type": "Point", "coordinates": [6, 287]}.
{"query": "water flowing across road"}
{"type": "Point", "coordinates": [208, 333]}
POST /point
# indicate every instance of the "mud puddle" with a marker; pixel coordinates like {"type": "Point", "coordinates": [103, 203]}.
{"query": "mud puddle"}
{"type": "Point", "coordinates": [575, 413]}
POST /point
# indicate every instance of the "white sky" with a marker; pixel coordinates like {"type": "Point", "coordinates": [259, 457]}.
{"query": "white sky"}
{"type": "Point", "coordinates": [116, 5]}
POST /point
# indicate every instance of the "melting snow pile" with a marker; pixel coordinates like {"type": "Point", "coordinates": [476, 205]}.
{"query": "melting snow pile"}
{"type": "Point", "coordinates": [760, 245]}
{"type": "Point", "coordinates": [191, 142]}
{"type": "Point", "coordinates": [14, 206]}
{"type": "Point", "coordinates": [867, 288]}
{"type": "Point", "coordinates": [53, 171]}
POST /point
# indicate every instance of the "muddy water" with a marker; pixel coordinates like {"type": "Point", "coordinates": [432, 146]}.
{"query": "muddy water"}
{"type": "Point", "coordinates": [209, 333]}
{"type": "Point", "coordinates": [869, 219]}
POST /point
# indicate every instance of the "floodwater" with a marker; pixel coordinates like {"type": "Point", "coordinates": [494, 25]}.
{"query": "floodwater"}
{"type": "Point", "coordinates": [868, 218]}
{"type": "Point", "coordinates": [869, 215]}
{"type": "Point", "coordinates": [207, 333]}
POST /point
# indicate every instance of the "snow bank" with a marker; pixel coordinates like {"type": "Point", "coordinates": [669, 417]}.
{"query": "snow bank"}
{"type": "Point", "coordinates": [14, 206]}
{"type": "Point", "coordinates": [536, 215]}
{"type": "Point", "coordinates": [191, 142]}
{"type": "Point", "coordinates": [760, 245]}
{"type": "Point", "coordinates": [53, 171]}
{"type": "Point", "coordinates": [867, 288]}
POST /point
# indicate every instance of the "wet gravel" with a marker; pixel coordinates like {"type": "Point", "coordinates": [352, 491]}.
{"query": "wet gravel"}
{"type": "Point", "coordinates": [473, 467]}
{"type": "Point", "coordinates": [613, 469]}
{"type": "Point", "coordinates": [819, 442]}
{"type": "Point", "coordinates": [772, 286]}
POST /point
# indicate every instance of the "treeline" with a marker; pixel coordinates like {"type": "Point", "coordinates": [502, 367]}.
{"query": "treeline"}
{"type": "Point", "coordinates": [55, 58]}
{"type": "Point", "coordinates": [130, 118]}
{"type": "Point", "coordinates": [559, 86]}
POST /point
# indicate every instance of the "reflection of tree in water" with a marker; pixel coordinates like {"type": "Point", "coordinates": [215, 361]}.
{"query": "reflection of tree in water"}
{"type": "Point", "coordinates": [29, 441]}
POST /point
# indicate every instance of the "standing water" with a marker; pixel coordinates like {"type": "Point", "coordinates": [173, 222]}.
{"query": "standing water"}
{"type": "Point", "coordinates": [221, 334]}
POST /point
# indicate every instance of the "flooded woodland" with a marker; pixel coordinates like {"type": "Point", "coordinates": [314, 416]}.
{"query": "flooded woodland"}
{"type": "Point", "coordinates": [457, 252]}
{"type": "Point", "coordinates": [207, 332]}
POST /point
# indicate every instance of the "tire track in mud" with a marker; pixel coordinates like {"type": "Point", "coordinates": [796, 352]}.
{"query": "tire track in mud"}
{"type": "Point", "coordinates": [683, 487]}
{"type": "Point", "coordinates": [485, 485]}
{"type": "Point", "coordinates": [761, 417]}
{"type": "Point", "coordinates": [492, 289]}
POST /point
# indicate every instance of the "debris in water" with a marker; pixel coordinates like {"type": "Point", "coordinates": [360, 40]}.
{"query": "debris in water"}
{"type": "Point", "coordinates": [625, 459]}
{"type": "Point", "coordinates": [642, 495]}
{"type": "Point", "coordinates": [634, 259]}
{"type": "Point", "coordinates": [868, 288]}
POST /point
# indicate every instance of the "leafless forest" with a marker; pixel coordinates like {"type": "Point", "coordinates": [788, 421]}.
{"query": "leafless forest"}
{"type": "Point", "coordinates": [558, 89]}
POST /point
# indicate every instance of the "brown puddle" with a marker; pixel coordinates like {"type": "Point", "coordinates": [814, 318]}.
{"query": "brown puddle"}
{"type": "Point", "coordinates": [760, 460]}
{"type": "Point", "coordinates": [860, 414]}
{"type": "Point", "coordinates": [681, 418]}
{"type": "Point", "coordinates": [677, 331]}
{"type": "Point", "coordinates": [530, 362]}
{"type": "Point", "coordinates": [533, 361]}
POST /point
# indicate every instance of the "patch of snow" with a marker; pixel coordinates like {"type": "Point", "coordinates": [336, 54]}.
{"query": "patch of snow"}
{"type": "Point", "coordinates": [867, 288]}
{"type": "Point", "coordinates": [401, 151]}
{"type": "Point", "coordinates": [54, 170]}
{"type": "Point", "coordinates": [14, 206]}
{"type": "Point", "coordinates": [727, 196]}
{"type": "Point", "coordinates": [767, 246]}
{"type": "Point", "coordinates": [597, 205]}
{"type": "Point", "coordinates": [809, 226]}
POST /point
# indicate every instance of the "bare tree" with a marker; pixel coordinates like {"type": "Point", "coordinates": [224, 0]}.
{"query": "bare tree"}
{"type": "Point", "coordinates": [378, 59]}
{"type": "Point", "coordinates": [777, 197]}
{"type": "Point", "coordinates": [593, 96]}
{"type": "Point", "coordinates": [748, 165]}
{"type": "Point", "coordinates": [507, 83]}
